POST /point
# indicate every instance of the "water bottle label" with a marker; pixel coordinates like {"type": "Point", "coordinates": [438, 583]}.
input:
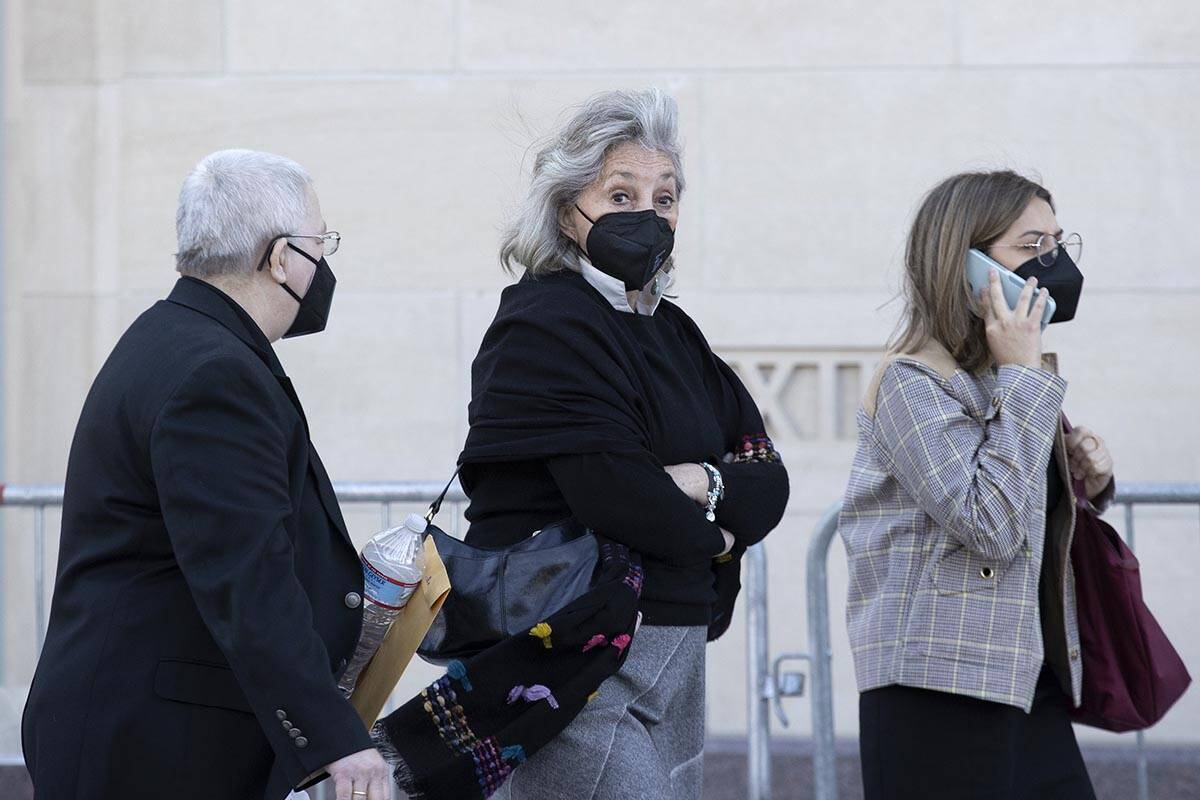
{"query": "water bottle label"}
{"type": "Point", "coordinates": [383, 590]}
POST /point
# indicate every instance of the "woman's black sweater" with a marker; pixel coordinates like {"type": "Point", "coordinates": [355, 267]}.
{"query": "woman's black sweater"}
{"type": "Point", "coordinates": [577, 407]}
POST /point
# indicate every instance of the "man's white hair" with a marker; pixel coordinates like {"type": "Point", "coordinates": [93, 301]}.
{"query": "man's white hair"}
{"type": "Point", "coordinates": [232, 204]}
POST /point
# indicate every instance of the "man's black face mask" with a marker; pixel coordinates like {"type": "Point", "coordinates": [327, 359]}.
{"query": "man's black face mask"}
{"type": "Point", "coordinates": [316, 302]}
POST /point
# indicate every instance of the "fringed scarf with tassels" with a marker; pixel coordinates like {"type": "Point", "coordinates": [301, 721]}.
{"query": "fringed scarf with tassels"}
{"type": "Point", "coordinates": [466, 732]}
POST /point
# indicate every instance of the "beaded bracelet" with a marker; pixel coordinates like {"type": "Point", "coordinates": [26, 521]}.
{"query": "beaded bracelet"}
{"type": "Point", "coordinates": [716, 490]}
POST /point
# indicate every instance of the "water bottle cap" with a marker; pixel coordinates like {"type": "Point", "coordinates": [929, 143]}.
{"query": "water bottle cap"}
{"type": "Point", "coordinates": [416, 523]}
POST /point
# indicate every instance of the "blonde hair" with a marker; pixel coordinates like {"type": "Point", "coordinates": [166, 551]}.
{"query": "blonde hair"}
{"type": "Point", "coordinates": [967, 210]}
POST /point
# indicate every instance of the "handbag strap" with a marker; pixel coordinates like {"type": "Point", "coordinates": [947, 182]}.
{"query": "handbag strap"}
{"type": "Point", "coordinates": [436, 506]}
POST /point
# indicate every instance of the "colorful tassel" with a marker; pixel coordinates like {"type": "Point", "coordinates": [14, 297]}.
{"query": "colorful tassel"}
{"type": "Point", "coordinates": [532, 695]}
{"type": "Point", "coordinates": [457, 670]}
{"type": "Point", "coordinates": [599, 640]}
{"type": "Point", "coordinates": [542, 631]}
{"type": "Point", "coordinates": [634, 578]}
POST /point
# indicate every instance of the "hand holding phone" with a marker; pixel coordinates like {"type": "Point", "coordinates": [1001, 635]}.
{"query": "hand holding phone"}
{"type": "Point", "coordinates": [979, 266]}
{"type": "Point", "coordinates": [1014, 335]}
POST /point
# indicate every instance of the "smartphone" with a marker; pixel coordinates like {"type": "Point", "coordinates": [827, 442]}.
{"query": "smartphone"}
{"type": "Point", "coordinates": [978, 267]}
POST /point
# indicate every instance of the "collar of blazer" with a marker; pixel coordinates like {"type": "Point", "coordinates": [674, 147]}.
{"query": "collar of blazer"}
{"type": "Point", "coordinates": [210, 301]}
{"type": "Point", "coordinates": [213, 303]}
{"type": "Point", "coordinates": [935, 356]}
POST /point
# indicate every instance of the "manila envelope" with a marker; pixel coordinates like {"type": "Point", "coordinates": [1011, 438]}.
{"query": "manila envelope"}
{"type": "Point", "coordinates": [378, 679]}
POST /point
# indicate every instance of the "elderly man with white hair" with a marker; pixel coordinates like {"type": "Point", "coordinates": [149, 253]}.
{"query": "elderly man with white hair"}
{"type": "Point", "coordinates": [208, 593]}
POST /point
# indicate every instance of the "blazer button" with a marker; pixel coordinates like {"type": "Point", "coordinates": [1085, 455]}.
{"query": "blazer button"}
{"type": "Point", "coordinates": [986, 573]}
{"type": "Point", "coordinates": [280, 714]}
{"type": "Point", "coordinates": [294, 733]}
{"type": "Point", "coordinates": [353, 600]}
{"type": "Point", "coordinates": [301, 742]}
{"type": "Point", "coordinates": [287, 726]}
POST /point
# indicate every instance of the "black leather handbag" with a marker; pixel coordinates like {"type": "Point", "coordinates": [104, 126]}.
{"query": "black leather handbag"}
{"type": "Point", "coordinates": [495, 594]}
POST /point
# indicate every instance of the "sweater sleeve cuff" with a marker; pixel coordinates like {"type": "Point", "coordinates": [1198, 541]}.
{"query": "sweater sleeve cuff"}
{"type": "Point", "coordinates": [755, 499]}
{"type": "Point", "coordinates": [1028, 392]}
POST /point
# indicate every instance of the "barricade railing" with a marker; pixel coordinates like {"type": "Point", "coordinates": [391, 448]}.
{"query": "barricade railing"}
{"type": "Point", "coordinates": [41, 497]}
{"type": "Point", "coordinates": [767, 685]}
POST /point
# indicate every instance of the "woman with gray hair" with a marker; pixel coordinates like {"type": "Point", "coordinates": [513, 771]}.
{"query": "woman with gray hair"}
{"type": "Point", "coordinates": [595, 398]}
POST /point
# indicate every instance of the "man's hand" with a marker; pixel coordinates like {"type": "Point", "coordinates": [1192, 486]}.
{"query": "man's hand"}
{"type": "Point", "coordinates": [1090, 460]}
{"type": "Point", "coordinates": [361, 776]}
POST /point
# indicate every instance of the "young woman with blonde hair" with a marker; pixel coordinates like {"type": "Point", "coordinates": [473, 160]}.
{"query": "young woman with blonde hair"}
{"type": "Point", "coordinates": [959, 514]}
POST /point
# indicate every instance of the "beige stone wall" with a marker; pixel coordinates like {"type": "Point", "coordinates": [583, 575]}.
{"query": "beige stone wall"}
{"type": "Point", "coordinates": [811, 130]}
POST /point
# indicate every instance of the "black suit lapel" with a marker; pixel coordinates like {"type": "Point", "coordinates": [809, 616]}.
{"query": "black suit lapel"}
{"type": "Point", "coordinates": [324, 485]}
{"type": "Point", "coordinates": [326, 493]}
{"type": "Point", "coordinates": [286, 383]}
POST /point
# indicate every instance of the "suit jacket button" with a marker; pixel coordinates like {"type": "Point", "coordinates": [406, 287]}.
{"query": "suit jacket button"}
{"type": "Point", "coordinates": [280, 714]}
{"type": "Point", "coordinates": [353, 600]}
{"type": "Point", "coordinates": [301, 742]}
{"type": "Point", "coordinates": [294, 733]}
{"type": "Point", "coordinates": [287, 726]}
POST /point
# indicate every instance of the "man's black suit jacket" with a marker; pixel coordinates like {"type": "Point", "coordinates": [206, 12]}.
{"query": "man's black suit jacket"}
{"type": "Point", "coordinates": [207, 591]}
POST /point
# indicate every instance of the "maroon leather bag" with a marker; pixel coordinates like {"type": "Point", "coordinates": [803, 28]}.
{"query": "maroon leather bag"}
{"type": "Point", "coordinates": [1131, 672]}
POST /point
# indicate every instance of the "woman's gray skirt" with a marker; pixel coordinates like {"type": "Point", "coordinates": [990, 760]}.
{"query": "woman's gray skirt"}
{"type": "Point", "coordinates": [642, 737]}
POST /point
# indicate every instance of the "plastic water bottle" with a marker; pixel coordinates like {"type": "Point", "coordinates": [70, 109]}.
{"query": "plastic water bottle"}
{"type": "Point", "coordinates": [393, 563]}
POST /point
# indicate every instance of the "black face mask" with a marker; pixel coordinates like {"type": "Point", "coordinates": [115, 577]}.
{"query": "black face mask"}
{"type": "Point", "coordinates": [314, 306]}
{"type": "Point", "coordinates": [1062, 279]}
{"type": "Point", "coordinates": [629, 245]}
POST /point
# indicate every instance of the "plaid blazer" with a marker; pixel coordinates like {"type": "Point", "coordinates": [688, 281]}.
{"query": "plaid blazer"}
{"type": "Point", "coordinates": [944, 523]}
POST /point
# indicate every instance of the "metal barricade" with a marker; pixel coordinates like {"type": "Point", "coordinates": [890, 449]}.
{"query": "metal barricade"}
{"type": "Point", "coordinates": [767, 686]}
{"type": "Point", "coordinates": [41, 497]}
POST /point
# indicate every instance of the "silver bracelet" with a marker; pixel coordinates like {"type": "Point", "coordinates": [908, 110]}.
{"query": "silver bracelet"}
{"type": "Point", "coordinates": [716, 490]}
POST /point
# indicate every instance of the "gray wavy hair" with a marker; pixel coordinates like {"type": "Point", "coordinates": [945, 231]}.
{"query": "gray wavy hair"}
{"type": "Point", "coordinates": [572, 159]}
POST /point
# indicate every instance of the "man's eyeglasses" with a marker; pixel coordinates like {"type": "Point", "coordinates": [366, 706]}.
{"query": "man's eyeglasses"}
{"type": "Point", "coordinates": [329, 243]}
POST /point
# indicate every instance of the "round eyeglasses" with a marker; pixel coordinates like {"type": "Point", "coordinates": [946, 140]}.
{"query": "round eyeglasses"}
{"type": "Point", "coordinates": [1046, 248]}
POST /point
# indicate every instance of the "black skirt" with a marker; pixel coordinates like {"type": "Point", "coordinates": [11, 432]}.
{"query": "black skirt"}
{"type": "Point", "coordinates": [919, 744]}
